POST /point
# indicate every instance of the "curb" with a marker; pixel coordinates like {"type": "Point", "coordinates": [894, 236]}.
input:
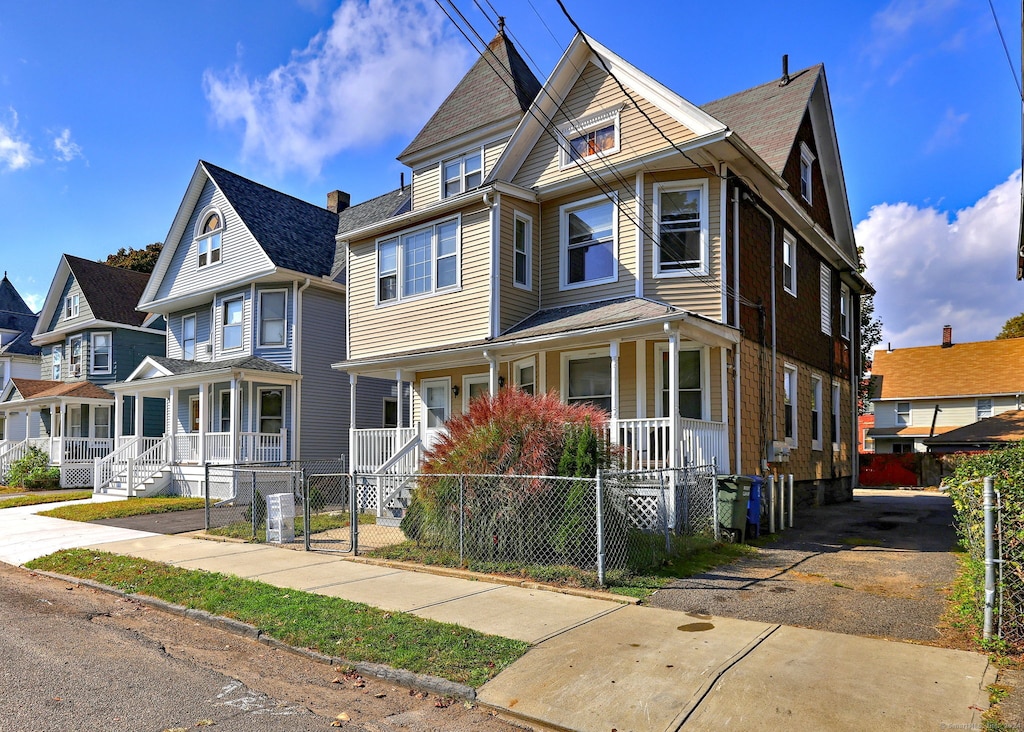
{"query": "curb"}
{"type": "Point", "coordinates": [400, 677]}
{"type": "Point", "coordinates": [499, 579]}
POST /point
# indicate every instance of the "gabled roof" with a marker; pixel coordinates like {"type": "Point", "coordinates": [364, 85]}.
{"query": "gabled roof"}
{"type": "Point", "coordinates": [999, 428]}
{"type": "Point", "coordinates": [16, 315]}
{"type": "Point", "coordinates": [963, 369]}
{"type": "Point", "coordinates": [42, 389]}
{"type": "Point", "coordinates": [498, 86]}
{"type": "Point", "coordinates": [112, 292]}
{"type": "Point", "coordinates": [768, 116]}
{"type": "Point", "coordinates": [176, 366]}
{"type": "Point", "coordinates": [296, 235]}
{"type": "Point", "coordinates": [21, 345]}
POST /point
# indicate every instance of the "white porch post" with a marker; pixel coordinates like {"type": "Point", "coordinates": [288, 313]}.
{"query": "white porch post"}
{"type": "Point", "coordinates": [641, 379]}
{"type": "Point", "coordinates": [172, 422]}
{"type": "Point", "coordinates": [233, 423]}
{"type": "Point", "coordinates": [202, 422]}
{"type": "Point", "coordinates": [118, 431]}
{"type": "Point", "coordinates": [613, 350]}
{"type": "Point", "coordinates": [398, 378]}
{"type": "Point", "coordinates": [56, 443]}
{"type": "Point", "coordinates": [492, 383]}
{"type": "Point", "coordinates": [139, 401]}
{"type": "Point", "coordinates": [352, 379]}
{"type": "Point", "coordinates": [673, 399]}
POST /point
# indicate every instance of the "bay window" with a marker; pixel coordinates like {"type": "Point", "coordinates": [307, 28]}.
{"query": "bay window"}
{"type": "Point", "coordinates": [418, 262]}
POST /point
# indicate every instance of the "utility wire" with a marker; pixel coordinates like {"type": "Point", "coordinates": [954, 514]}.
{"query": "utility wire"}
{"type": "Point", "coordinates": [1006, 50]}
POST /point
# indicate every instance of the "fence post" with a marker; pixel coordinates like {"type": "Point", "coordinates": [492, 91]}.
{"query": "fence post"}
{"type": "Point", "coordinates": [462, 520]}
{"type": "Point", "coordinates": [771, 503]}
{"type": "Point", "coordinates": [253, 504]}
{"type": "Point", "coordinates": [791, 500]}
{"type": "Point", "coordinates": [600, 529]}
{"type": "Point", "coordinates": [353, 512]}
{"type": "Point", "coordinates": [714, 506]}
{"type": "Point", "coordinates": [990, 569]}
{"type": "Point", "coordinates": [206, 492]}
{"type": "Point", "coordinates": [307, 513]}
{"type": "Point", "coordinates": [664, 513]}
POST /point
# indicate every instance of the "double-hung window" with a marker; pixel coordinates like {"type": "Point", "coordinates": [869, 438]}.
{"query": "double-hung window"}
{"type": "Point", "coordinates": [816, 415]}
{"type": "Point", "coordinates": [587, 378]}
{"type": "Point", "coordinates": [57, 357]}
{"type": "Point", "coordinates": [984, 408]}
{"type": "Point", "coordinates": [522, 260]}
{"type": "Point", "coordinates": [462, 174]}
{"type": "Point", "coordinates": [100, 353]}
{"type": "Point", "coordinates": [418, 262]}
{"type": "Point", "coordinates": [789, 263]}
{"type": "Point", "coordinates": [75, 358]}
{"type": "Point", "coordinates": [590, 137]}
{"type": "Point", "coordinates": [588, 242]}
{"type": "Point", "coordinates": [790, 392]}
{"type": "Point", "coordinates": [188, 337]}
{"type": "Point", "coordinates": [101, 422]}
{"type": "Point", "coordinates": [272, 318]}
{"type": "Point", "coordinates": [231, 322]}
{"type": "Point", "coordinates": [271, 406]}
{"type": "Point", "coordinates": [691, 382]}
{"type": "Point", "coordinates": [681, 238]}
{"type": "Point", "coordinates": [209, 239]}
{"type": "Point", "coordinates": [806, 174]}
{"type": "Point", "coordinates": [71, 306]}
{"type": "Point", "coordinates": [903, 416]}
{"type": "Point", "coordinates": [844, 312]}
{"type": "Point", "coordinates": [526, 375]}
{"type": "Point", "coordinates": [835, 415]}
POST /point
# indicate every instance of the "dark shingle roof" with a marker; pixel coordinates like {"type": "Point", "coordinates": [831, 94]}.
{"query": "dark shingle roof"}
{"type": "Point", "coordinates": [482, 97]}
{"type": "Point", "coordinates": [768, 116]}
{"type": "Point", "coordinates": [22, 344]}
{"type": "Point", "coordinates": [295, 234]}
{"type": "Point", "coordinates": [250, 363]}
{"type": "Point", "coordinates": [1003, 427]}
{"type": "Point", "coordinates": [376, 209]}
{"type": "Point", "coordinates": [15, 314]}
{"type": "Point", "coordinates": [588, 315]}
{"type": "Point", "coordinates": [112, 292]}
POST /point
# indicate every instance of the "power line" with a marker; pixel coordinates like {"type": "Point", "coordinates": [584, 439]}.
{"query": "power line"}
{"type": "Point", "coordinates": [1006, 49]}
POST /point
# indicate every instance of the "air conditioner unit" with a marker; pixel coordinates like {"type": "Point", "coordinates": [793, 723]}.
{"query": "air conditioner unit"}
{"type": "Point", "coordinates": [76, 369]}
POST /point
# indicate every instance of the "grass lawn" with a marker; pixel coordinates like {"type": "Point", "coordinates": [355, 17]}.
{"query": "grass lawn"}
{"type": "Point", "coordinates": [122, 509]}
{"type": "Point", "coordinates": [693, 556]}
{"type": "Point", "coordinates": [318, 523]}
{"type": "Point", "coordinates": [50, 498]}
{"type": "Point", "coordinates": [329, 625]}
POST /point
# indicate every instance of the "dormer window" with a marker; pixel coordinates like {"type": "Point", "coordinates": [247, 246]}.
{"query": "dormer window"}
{"type": "Point", "coordinates": [209, 239]}
{"type": "Point", "coordinates": [71, 306]}
{"type": "Point", "coordinates": [591, 137]}
{"type": "Point", "coordinates": [462, 174]}
{"type": "Point", "coordinates": [806, 163]}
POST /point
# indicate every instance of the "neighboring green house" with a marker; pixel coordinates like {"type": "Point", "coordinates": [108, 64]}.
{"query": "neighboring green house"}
{"type": "Point", "coordinates": [90, 335]}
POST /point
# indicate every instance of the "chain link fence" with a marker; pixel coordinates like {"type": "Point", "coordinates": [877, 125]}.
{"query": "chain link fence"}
{"type": "Point", "coordinates": [1009, 571]}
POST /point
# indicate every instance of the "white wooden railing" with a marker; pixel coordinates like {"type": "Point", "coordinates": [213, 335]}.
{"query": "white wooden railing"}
{"type": "Point", "coordinates": [79, 449]}
{"type": "Point", "coordinates": [12, 451]}
{"type": "Point", "coordinates": [263, 447]}
{"type": "Point", "coordinates": [218, 447]}
{"type": "Point", "coordinates": [704, 442]}
{"type": "Point", "coordinates": [186, 447]}
{"type": "Point", "coordinates": [646, 443]}
{"type": "Point", "coordinates": [395, 474]}
{"type": "Point", "coordinates": [370, 449]}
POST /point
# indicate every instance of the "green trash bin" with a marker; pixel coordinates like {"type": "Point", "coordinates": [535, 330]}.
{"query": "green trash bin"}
{"type": "Point", "coordinates": [733, 497]}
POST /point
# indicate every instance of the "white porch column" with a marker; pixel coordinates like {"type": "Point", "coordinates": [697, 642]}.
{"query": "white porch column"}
{"type": "Point", "coordinates": [492, 384]}
{"type": "Point", "coordinates": [172, 421]}
{"type": "Point", "coordinates": [139, 401]}
{"type": "Point", "coordinates": [118, 430]}
{"type": "Point", "coordinates": [398, 378]}
{"type": "Point", "coordinates": [352, 379]}
{"type": "Point", "coordinates": [673, 399]}
{"type": "Point", "coordinates": [235, 418]}
{"type": "Point", "coordinates": [56, 443]}
{"type": "Point", "coordinates": [613, 351]}
{"type": "Point", "coordinates": [641, 379]}
{"type": "Point", "coordinates": [203, 393]}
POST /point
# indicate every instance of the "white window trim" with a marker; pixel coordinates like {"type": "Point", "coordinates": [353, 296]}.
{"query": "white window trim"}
{"type": "Point", "coordinates": [817, 419]}
{"type": "Point", "coordinates": [788, 369]}
{"type": "Point", "coordinates": [195, 336]}
{"type": "Point", "coordinates": [789, 246]}
{"type": "Point", "coordinates": [199, 235]}
{"type": "Point", "coordinates": [836, 415]}
{"type": "Point", "coordinates": [844, 312]}
{"type": "Point", "coordinates": [57, 362]}
{"type": "Point", "coordinates": [223, 326]}
{"type": "Point", "coordinates": [528, 220]}
{"type": "Point", "coordinates": [563, 241]}
{"type": "Point", "coordinates": [193, 428]}
{"type": "Point", "coordinates": [110, 353]}
{"type": "Point", "coordinates": [991, 407]}
{"type": "Point", "coordinates": [469, 379]}
{"type": "Point", "coordinates": [705, 237]}
{"type": "Point", "coordinates": [568, 356]}
{"type": "Point", "coordinates": [434, 289]}
{"type": "Point", "coordinates": [384, 412]}
{"type": "Point", "coordinates": [461, 158]}
{"type": "Point", "coordinates": [910, 414]}
{"type": "Point", "coordinates": [224, 395]}
{"type": "Point", "coordinates": [705, 379]}
{"type": "Point", "coordinates": [72, 307]}
{"type": "Point", "coordinates": [807, 158]}
{"type": "Point", "coordinates": [81, 355]}
{"type": "Point", "coordinates": [259, 320]}
{"type": "Point", "coordinates": [425, 427]}
{"type": "Point", "coordinates": [518, 366]}
{"type": "Point", "coordinates": [259, 407]}
{"type": "Point", "coordinates": [576, 128]}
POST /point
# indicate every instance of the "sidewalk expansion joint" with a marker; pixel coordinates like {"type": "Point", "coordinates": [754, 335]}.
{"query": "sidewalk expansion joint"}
{"type": "Point", "coordinates": [581, 623]}
{"type": "Point", "coordinates": [453, 599]}
{"type": "Point", "coordinates": [353, 581]}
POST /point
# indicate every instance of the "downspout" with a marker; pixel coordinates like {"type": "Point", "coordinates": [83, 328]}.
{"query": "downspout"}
{"type": "Point", "coordinates": [736, 322]}
{"type": "Point", "coordinates": [297, 360]}
{"type": "Point", "coordinates": [495, 222]}
{"type": "Point", "coordinates": [775, 375]}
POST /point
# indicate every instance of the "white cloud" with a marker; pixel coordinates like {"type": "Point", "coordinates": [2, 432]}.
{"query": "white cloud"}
{"type": "Point", "coordinates": [15, 152]}
{"type": "Point", "coordinates": [65, 149]}
{"type": "Point", "coordinates": [930, 271]}
{"type": "Point", "coordinates": [380, 69]}
{"type": "Point", "coordinates": [34, 300]}
{"type": "Point", "coordinates": [893, 24]}
{"type": "Point", "coordinates": [947, 132]}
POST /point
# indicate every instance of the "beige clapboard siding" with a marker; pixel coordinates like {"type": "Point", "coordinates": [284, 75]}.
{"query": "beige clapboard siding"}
{"type": "Point", "coordinates": [434, 320]}
{"type": "Point", "coordinates": [625, 249]}
{"type": "Point", "coordinates": [697, 294]}
{"type": "Point", "coordinates": [493, 151]}
{"type": "Point", "coordinates": [516, 303]}
{"type": "Point", "coordinates": [426, 185]}
{"type": "Point", "coordinates": [713, 379]}
{"type": "Point", "coordinates": [594, 92]}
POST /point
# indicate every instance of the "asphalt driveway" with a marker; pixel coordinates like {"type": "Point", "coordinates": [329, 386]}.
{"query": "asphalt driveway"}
{"type": "Point", "coordinates": [878, 566]}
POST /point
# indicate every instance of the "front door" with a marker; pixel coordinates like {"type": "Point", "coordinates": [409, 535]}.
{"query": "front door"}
{"type": "Point", "coordinates": [437, 407]}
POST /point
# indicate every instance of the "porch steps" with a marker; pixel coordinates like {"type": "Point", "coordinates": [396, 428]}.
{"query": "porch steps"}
{"type": "Point", "coordinates": [152, 486]}
{"type": "Point", "coordinates": [395, 507]}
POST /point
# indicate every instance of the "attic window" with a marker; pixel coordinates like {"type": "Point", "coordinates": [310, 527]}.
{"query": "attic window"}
{"type": "Point", "coordinates": [71, 308]}
{"type": "Point", "coordinates": [209, 239]}
{"type": "Point", "coordinates": [806, 163]}
{"type": "Point", "coordinates": [591, 137]}
{"type": "Point", "coordinates": [462, 174]}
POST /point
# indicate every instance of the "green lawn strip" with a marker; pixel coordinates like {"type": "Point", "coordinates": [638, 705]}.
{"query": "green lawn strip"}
{"type": "Point", "coordinates": [123, 509]}
{"type": "Point", "coordinates": [318, 523]}
{"type": "Point", "coordinates": [692, 556]}
{"type": "Point", "coordinates": [49, 498]}
{"type": "Point", "coordinates": [329, 625]}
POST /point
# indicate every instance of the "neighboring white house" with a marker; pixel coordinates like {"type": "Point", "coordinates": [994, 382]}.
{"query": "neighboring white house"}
{"type": "Point", "coordinates": [18, 357]}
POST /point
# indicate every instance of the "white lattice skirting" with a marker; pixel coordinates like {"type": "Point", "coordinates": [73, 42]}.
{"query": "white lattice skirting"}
{"type": "Point", "coordinates": [76, 475]}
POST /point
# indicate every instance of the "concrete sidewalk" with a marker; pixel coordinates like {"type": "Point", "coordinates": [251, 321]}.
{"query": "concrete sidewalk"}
{"type": "Point", "coordinates": [597, 664]}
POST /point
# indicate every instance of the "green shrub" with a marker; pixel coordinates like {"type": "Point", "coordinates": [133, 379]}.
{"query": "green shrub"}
{"type": "Point", "coordinates": [33, 472]}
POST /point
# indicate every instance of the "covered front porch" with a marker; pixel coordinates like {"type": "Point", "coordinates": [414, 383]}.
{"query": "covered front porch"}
{"type": "Point", "coordinates": [239, 411]}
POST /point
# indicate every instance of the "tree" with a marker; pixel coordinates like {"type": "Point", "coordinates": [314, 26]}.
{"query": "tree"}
{"type": "Point", "coordinates": [870, 336]}
{"type": "Point", "coordinates": [137, 260]}
{"type": "Point", "coordinates": [1012, 328]}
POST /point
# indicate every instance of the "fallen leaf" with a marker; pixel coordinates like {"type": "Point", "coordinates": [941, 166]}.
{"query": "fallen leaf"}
{"type": "Point", "coordinates": [336, 681]}
{"type": "Point", "coordinates": [343, 717]}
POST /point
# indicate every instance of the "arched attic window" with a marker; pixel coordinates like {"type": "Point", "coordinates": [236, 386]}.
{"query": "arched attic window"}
{"type": "Point", "coordinates": [208, 238]}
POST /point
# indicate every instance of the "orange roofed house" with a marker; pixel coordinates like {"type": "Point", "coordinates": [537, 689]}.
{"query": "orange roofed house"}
{"type": "Point", "coordinates": [921, 394]}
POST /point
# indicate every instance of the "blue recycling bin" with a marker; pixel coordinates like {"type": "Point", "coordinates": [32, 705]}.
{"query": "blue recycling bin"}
{"type": "Point", "coordinates": [754, 506]}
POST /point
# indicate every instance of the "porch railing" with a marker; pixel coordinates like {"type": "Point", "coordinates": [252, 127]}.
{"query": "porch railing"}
{"type": "Point", "coordinates": [262, 447]}
{"type": "Point", "coordinates": [646, 443]}
{"type": "Point", "coordinates": [704, 443]}
{"type": "Point", "coordinates": [254, 447]}
{"type": "Point", "coordinates": [370, 449]}
{"type": "Point", "coordinates": [12, 451]}
{"type": "Point", "coordinates": [80, 449]}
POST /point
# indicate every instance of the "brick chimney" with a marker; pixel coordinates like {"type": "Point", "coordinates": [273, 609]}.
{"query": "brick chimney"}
{"type": "Point", "coordinates": [338, 201]}
{"type": "Point", "coordinates": [947, 336]}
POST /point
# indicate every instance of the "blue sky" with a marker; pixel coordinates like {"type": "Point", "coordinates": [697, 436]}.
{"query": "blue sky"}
{"type": "Point", "coordinates": [106, 107]}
